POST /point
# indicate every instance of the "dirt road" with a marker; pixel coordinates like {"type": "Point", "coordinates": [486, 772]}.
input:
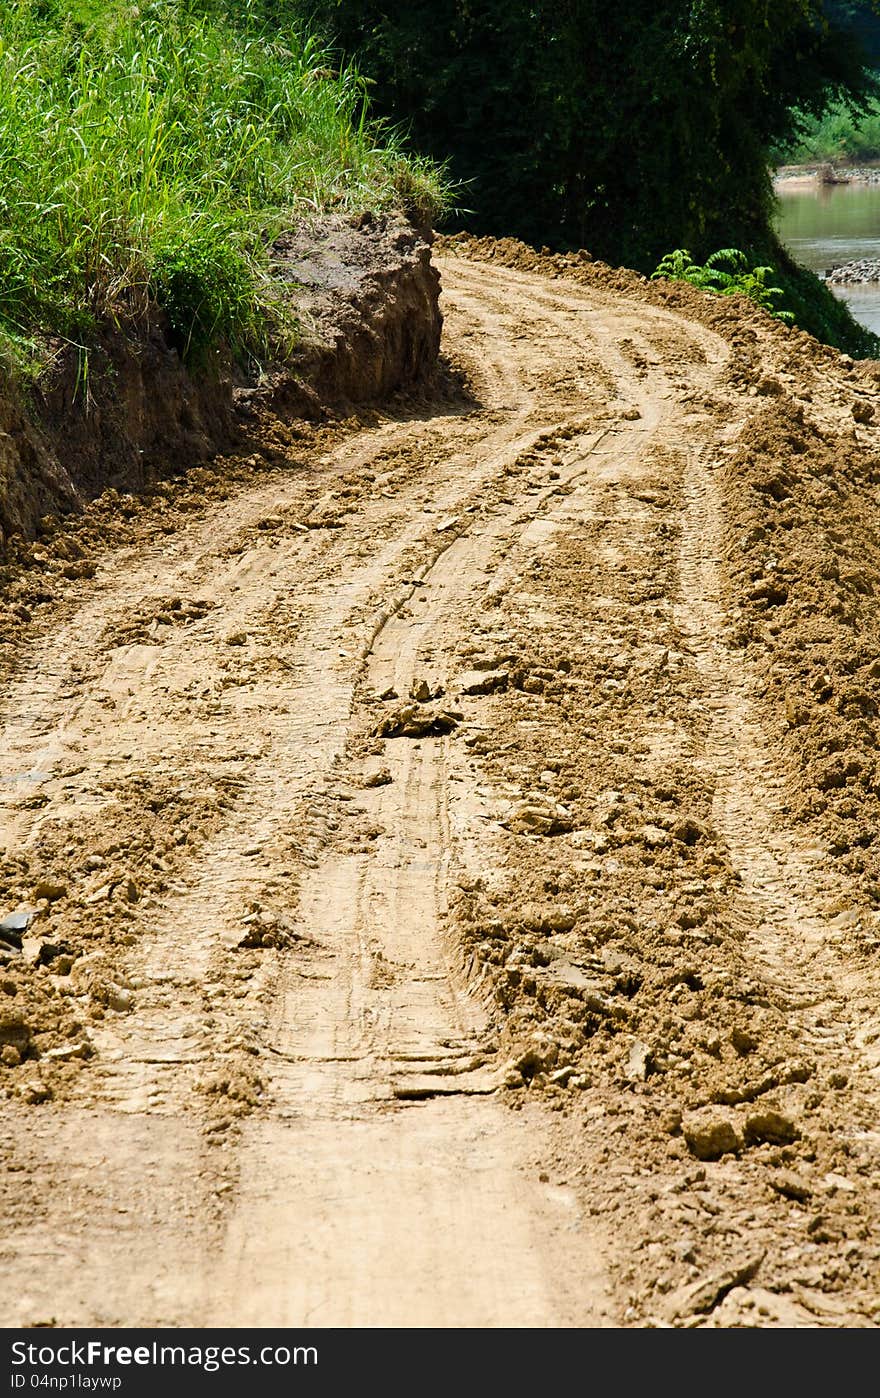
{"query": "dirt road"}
{"type": "Point", "coordinates": [424, 935]}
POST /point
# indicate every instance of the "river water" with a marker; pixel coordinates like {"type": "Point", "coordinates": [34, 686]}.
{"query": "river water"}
{"type": "Point", "coordinates": [825, 225]}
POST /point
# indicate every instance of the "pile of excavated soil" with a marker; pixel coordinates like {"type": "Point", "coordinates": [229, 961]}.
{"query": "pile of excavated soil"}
{"type": "Point", "coordinates": [803, 525]}
{"type": "Point", "coordinates": [607, 929]}
{"type": "Point", "coordinates": [611, 929]}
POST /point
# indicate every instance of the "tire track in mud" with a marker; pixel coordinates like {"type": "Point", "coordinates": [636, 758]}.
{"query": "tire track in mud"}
{"type": "Point", "coordinates": [411, 1031]}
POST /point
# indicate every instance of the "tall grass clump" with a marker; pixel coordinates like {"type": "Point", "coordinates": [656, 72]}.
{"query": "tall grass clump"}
{"type": "Point", "coordinates": [150, 152]}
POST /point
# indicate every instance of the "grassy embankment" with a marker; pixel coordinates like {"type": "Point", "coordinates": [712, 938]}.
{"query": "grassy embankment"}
{"type": "Point", "coordinates": [149, 153]}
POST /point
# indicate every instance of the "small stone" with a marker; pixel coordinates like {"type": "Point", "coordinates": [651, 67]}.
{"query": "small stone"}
{"type": "Point", "coordinates": [101, 894]}
{"type": "Point", "coordinates": [796, 713]}
{"type": "Point", "coordinates": [236, 638]}
{"type": "Point", "coordinates": [482, 681]}
{"type": "Point", "coordinates": [769, 1126]}
{"type": "Point", "coordinates": [129, 890]}
{"type": "Point", "coordinates": [14, 925]}
{"type": "Point", "coordinates": [710, 1134]}
{"type": "Point", "coordinates": [790, 1186]}
{"type": "Point", "coordinates": [417, 721]}
{"type": "Point", "coordinates": [50, 889]}
{"type": "Point", "coordinates": [702, 1295]}
{"type": "Point", "coordinates": [688, 831]}
{"type": "Point", "coordinates": [538, 816]}
{"type": "Point", "coordinates": [638, 1063]}
{"type": "Point", "coordinates": [382, 777]}
{"type": "Point", "coordinates": [10, 1056]}
{"type": "Point", "coordinates": [863, 411]}
{"type": "Point", "coordinates": [654, 836]}
{"type": "Point", "coordinates": [389, 693]}
{"type": "Point", "coordinates": [13, 928]}
{"type": "Point", "coordinates": [560, 1077]}
{"type": "Point", "coordinates": [834, 1182]}
{"type": "Point", "coordinates": [68, 1052]}
{"type": "Point", "coordinates": [114, 996]}
{"type": "Point", "coordinates": [447, 524]}
{"type": "Point", "coordinates": [35, 1092]}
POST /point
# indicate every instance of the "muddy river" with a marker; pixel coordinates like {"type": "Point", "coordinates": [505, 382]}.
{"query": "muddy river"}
{"type": "Point", "coordinates": [825, 225]}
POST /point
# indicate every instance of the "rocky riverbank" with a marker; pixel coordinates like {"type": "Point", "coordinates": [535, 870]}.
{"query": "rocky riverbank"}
{"type": "Point", "coordinates": [863, 270]}
{"type": "Point", "coordinates": [824, 172]}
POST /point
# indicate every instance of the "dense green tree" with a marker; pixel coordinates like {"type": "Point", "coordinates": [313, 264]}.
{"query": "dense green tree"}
{"type": "Point", "coordinates": [861, 18]}
{"type": "Point", "coordinates": [629, 129]}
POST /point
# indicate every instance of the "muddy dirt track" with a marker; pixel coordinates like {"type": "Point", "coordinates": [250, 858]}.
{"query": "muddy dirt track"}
{"type": "Point", "coordinates": [442, 911]}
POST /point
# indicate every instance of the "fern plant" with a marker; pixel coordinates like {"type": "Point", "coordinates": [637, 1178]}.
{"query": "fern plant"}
{"type": "Point", "coordinates": [726, 273]}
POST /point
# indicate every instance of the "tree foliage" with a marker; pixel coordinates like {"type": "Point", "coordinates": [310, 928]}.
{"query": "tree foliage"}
{"type": "Point", "coordinates": [628, 129]}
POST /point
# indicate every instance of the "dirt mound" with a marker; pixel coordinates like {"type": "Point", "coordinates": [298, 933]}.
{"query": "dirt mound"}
{"type": "Point", "coordinates": [802, 547]}
{"type": "Point", "coordinates": [736, 318]}
{"type": "Point", "coordinates": [801, 540]}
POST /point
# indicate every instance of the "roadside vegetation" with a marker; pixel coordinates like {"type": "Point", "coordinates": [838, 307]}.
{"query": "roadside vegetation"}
{"type": "Point", "coordinates": [726, 273]}
{"type": "Point", "coordinates": [794, 296]}
{"type": "Point", "coordinates": [150, 153]}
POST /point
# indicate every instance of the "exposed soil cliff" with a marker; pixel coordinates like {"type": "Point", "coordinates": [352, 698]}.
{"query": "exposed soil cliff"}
{"type": "Point", "coordinates": [366, 299]}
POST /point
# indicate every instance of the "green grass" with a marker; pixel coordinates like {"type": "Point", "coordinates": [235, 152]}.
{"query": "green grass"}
{"type": "Point", "coordinates": [150, 152]}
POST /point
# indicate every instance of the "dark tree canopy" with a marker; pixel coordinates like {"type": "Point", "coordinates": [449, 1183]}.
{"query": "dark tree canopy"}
{"type": "Point", "coordinates": [627, 128]}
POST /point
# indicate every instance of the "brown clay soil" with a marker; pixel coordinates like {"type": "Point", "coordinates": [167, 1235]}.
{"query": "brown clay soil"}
{"type": "Point", "coordinates": [447, 844]}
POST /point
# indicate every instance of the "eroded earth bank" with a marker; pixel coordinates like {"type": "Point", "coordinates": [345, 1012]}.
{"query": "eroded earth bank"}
{"type": "Point", "coordinates": [445, 845]}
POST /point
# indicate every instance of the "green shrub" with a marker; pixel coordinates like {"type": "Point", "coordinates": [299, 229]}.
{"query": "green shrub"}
{"type": "Point", "coordinates": [838, 135]}
{"type": "Point", "coordinates": [207, 291]}
{"type": "Point", "coordinates": [727, 273]}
